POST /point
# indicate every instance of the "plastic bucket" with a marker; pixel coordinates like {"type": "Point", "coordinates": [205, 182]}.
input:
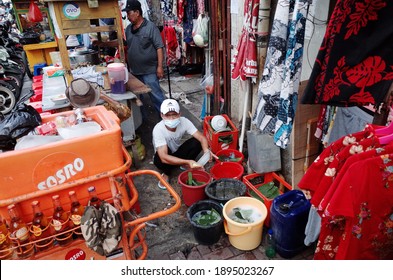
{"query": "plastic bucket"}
{"type": "Point", "coordinates": [288, 218]}
{"type": "Point", "coordinates": [230, 155]}
{"type": "Point", "coordinates": [192, 194]}
{"type": "Point", "coordinates": [225, 189]}
{"type": "Point", "coordinates": [244, 236]}
{"type": "Point", "coordinates": [232, 170]}
{"type": "Point", "coordinates": [206, 234]}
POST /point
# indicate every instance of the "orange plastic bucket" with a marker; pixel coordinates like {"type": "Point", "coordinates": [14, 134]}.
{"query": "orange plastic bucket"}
{"type": "Point", "coordinates": [192, 194]}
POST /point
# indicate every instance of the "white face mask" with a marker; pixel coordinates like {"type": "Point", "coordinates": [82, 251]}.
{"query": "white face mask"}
{"type": "Point", "coordinates": [172, 123]}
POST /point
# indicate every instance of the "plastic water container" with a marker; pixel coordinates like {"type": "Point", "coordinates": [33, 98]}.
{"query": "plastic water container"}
{"type": "Point", "coordinates": [118, 77]}
{"type": "Point", "coordinates": [288, 219]}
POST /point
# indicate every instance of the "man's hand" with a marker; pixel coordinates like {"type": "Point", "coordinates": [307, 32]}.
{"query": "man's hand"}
{"type": "Point", "coordinates": [160, 72]}
{"type": "Point", "coordinates": [193, 164]}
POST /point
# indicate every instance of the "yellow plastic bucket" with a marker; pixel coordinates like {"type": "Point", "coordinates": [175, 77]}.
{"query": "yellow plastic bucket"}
{"type": "Point", "coordinates": [244, 236]}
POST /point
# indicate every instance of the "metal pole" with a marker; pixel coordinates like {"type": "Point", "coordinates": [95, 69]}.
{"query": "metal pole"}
{"type": "Point", "coordinates": [166, 51]}
{"type": "Point", "coordinates": [166, 61]}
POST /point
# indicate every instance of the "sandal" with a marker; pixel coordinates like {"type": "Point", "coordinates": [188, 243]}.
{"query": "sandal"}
{"type": "Point", "coordinates": [159, 183]}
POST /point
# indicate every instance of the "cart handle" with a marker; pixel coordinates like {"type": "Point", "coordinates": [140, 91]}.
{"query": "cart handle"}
{"type": "Point", "coordinates": [70, 184]}
{"type": "Point", "coordinates": [169, 188]}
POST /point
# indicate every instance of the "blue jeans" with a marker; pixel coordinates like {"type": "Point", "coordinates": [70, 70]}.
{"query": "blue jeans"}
{"type": "Point", "coordinates": [156, 94]}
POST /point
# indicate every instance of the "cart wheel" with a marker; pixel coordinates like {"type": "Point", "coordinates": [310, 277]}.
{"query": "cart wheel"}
{"type": "Point", "coordinates": [7, 100]}
{"type": "Point", "coordinates": [13, 86]}
{"type": "Point", "coordinates": [16, 79]}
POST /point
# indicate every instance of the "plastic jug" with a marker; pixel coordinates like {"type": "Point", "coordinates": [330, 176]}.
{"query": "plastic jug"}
{"type": "Point", "coordinates": [118, 77]}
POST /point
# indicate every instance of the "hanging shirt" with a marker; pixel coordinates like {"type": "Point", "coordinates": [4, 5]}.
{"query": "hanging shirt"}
{"type": "Point", "coordinates": [279, 84]}
{"type": "Point", "coordinates": [365, 199]}
{"type": "Point", "coordinates": [353, 65]}
{"type": "Point", "coordinates": [314, 174]}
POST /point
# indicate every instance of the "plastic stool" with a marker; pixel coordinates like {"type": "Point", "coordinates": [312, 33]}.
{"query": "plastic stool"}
{"type": "Point", "coordinates": [37, 95]}
{"type": "Point", "coordinates": [37, 105]}
{"type": "Point", "coordinates": [38, 68]}
{"type": "Point", "coordinates": [38, 78]}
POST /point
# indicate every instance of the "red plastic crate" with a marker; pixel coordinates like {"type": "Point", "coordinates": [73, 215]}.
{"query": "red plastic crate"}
{"type": "Point", "coordinates": [38, 78]}
{"type": "Point", "coordinates": [214, 138]}
{"type": "Point", "coordinates": [37, 95]}
{"type": "Point", "coordinates": [265, 178]}
{"type": "Point", "coordinates": [36, 86]}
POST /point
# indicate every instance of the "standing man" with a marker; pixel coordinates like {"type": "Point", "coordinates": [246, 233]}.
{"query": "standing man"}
{"type": "Point", "coordinates": [145, 53]}
{"type": "Point", "coordinates": [170, 148]}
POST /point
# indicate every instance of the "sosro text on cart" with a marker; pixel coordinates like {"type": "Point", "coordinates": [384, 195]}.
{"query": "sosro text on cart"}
{"type": "Point", "coordinates": [62, 175]}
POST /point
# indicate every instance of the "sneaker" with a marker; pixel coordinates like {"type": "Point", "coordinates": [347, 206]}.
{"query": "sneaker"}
{"type": "Point", "coordinates": [159, 183]}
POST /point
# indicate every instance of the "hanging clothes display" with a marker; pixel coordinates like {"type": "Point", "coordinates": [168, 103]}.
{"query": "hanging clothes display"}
{"type": "Point", "coordinates": [350, 186]}
{"type": "Point", "coordinates": [244, 63]}
{"type": "Point", "coordinates": [170, 40]}
{"type": "Point", "coordinates": [180, 11]}
{"type": "Point", "coordinates": [279, 84]}
{"type": "Point", "coordinates": [349, 120]}
{"type": "Point", "coordinates": [353, 65]}
{"type": "Point", "coordinates": [190, 14]}
{"type": "Point", "coordinates": [167, 8]}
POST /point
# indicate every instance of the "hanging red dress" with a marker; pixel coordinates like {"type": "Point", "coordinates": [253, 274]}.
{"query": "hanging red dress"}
{"type": "Point", "coordinates": [365, 199]}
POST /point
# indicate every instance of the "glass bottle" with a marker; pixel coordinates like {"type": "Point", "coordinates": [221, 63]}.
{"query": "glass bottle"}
{"type": "Point", "coordinates": [40, 228]}
{"type": "Point", "coordinates": [61, 222]}
{"type": "Point", "coordinates": [80, 116]}
{"type": "Point", "coordinates": [94, 200]}
{"type": "Point", "coordinates": [5, 244]}
{"type": "Point", "coordinates": [19, 236]}
{"type": "Point", "coordinates": [270, 250]}
{"type": "Point", "coordinates": [77, 211]}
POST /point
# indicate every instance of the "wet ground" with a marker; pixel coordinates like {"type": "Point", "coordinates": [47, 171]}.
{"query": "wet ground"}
{"type": "Point", "coordinates": [171, 237]}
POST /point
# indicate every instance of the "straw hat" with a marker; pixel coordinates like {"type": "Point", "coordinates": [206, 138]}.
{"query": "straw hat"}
{"type": "Point", "coordinates": [81, 93]}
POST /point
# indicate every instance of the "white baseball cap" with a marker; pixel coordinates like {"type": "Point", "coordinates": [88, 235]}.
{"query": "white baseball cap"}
{"type": "Point", "coordinates": [169, 105]}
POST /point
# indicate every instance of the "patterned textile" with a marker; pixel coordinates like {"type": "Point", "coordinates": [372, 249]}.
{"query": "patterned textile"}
{"type": "Point", "coordinates": [350, 184]}
{"type": "Point", "coordinates": [166, 7]}
{"type": "Point", "coordinates": [280, 81]}
{"type": "Point", "coordinates": [180, 11]}
{"type": "Point", "coordinates": [101, 228]}
{"type": "Point", "coordinates": [363, 205]}
{"type": "Point", "coordinates": [354, 63]}
{"type": "Point", "coordinates": [168, 35]}
{"type": "Point", "coordinates": [188, 22]}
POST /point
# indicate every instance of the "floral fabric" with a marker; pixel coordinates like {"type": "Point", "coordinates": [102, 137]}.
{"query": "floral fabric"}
{"type": "Point", "coordinates": [279, 84]}
{"type": "Point", "coordinates": [354, 197]}
{"type": "Point", "coordinates": [353, 65]}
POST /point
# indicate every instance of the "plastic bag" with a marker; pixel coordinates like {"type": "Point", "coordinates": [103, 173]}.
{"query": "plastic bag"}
{"type": "Point", "coordinates": [34, 14]}
{"type": "Point", "coordinates": [20, 121]}
{"type": "Point", "coordinates": [200, 32]}
{"type": "Point", "coordinates": [208, 83]}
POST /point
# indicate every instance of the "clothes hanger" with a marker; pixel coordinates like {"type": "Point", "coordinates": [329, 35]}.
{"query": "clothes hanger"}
{"type": "Point", "coordinates": [387, 130]}
{"type": "Point", "coordinates": [385, 139]}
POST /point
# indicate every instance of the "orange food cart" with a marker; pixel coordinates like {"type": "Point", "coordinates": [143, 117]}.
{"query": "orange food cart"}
{"type": "Point", "coordinates": [99, 159]}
